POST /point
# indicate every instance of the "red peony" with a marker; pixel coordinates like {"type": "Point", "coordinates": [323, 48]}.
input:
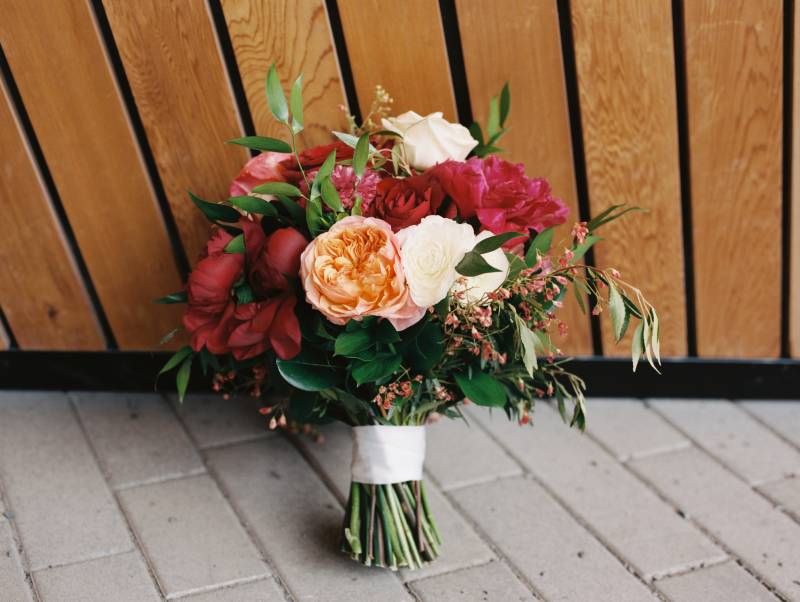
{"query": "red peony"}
{"type": "Point", "coordinates": [261, 168]}
{"type": "Point", "coordinates": [311, 159]}
{"type": "Point", "coordinates": [502, 197]}
{"type": "Point", "coordinates": [404, 202]}
{"type": "Point", "coordinates": [213, 318]}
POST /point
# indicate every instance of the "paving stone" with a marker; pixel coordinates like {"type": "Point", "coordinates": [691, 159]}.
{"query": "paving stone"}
{"type": "Point", "coordinates": [297, 520]}
{"type": "Point", "coordinates": [721, 583]}
{"type": "Point", "coordinates": [556, 554]}
{"type": "Point", "coordinates": [62, 507]}
{"type": "Point", "coordinates": [730, 434]}
{"type": "Point", "coordinates": [122, 578]}
{"type": "Point", "coordinates": [783, 416]}
{"type": "Point", "coordinates": [740, 518]}
{"type": "Point", "coordinates": [213, 421]}
{"type": "Point", "coordinates": [462, 547]}
{"type": "Point", "coordinates": [264, 590]}
{"type": "Point", "coordinates": [619, 507]}
{"type": "Point", "coordinates": [459, 454]}
{"type": "Point", "coordinates": [191, 535]}
{"type": "Point", "coordinates": [492, 582]}
{"type": "Point", "coordinates": [137, 437]}
{"type": "Point", "coordinates": [785, 493]}
{"type": "Point", "coordinates": [630, 429]}
{"type": "Point", "coordinates": [13, 586]}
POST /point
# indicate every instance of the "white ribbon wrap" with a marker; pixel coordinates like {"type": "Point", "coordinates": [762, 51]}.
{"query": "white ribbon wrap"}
{"type": "Point", "coordinates": [388, 454]}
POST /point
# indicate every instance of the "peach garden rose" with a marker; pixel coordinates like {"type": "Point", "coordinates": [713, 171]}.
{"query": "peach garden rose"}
{"type": "Point", "coordinates": [354, 270]}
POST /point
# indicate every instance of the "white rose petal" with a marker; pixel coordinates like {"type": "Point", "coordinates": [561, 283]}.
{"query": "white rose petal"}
{"type": "Point", "coordinates": [430, 252]}
{"type": "Point", "coordinates": [475, 288]}
{"type": "Point", "coordinates": [431, 139]}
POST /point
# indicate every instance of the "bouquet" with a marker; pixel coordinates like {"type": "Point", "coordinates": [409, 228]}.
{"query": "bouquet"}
{"type": "Point", "coordinates": [386, 279]}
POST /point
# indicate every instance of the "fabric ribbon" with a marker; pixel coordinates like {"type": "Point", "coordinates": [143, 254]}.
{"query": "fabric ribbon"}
{"type": "Point", "coordinates": [388, 454]}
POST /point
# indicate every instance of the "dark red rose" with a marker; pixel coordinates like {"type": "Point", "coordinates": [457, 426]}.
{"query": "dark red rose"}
{"type": "Point", "coordinates": [209, 288]}
{"type": "Point", "coordinates": [312, 158]}
{"type": "Point", "coordinates": [264, 167]}
{"type": "Point", "coordinates": [404, 202]}
{"type": "Point", "coordinates": [263, 325]}
{"type": "Point", "coordinates": [271, 258]}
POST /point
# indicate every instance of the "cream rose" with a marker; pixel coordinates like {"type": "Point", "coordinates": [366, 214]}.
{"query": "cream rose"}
{"type": "Point", "coordinates": [431, 139]}
{"type": "Point", "coordinates": [430, 252]}
{"type": "Point", "coordinates": [475, 288]}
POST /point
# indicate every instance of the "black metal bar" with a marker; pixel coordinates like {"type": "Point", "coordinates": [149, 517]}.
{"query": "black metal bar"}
{"type": "Point", "coordinates": [606, 377]}
{"type": "Point", "coordinates": [684, 158]}
{"type": "Point", "coordinates": [346, 71]}
{"type": "Point", "coordinates": [455, 55]}
{"type": "Point", "coordinates": [786, 172]}
{"type": "Point", "coordinates": [55, 200]}
{"type": "Point", "coordinates": [576, 133]}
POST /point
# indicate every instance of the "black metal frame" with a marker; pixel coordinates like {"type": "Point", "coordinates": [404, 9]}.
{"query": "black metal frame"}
{"type": "Point", "coordinates": [606, 377]}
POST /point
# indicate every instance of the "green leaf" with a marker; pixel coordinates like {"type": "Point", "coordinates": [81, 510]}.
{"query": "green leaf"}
{"type": "Point", "coordinates": [539, 246]}
{"type": "Point", "coordinates": [179, 297]}
{"type": "Point", "coordinates": [307, 375]}
{"type": "Point", "coordinates": [529, 342]}
{"type": "Point", "coordinates": [262, 143]}
{"type": "Point", "coordinates": [350, 343]}
{"type": "Point", "coordinates": [168, 337]}
{"type": "Point", "coordinates": [618, 312]}
{"type": "Point", "coordinates": [505, 104]}
{"type": "Point", "coordinates": [655, 338]}
{"type": "Point", "coordinates": [380, 366]}
{"type": "Point", "coordinates": [296, 102]}
{"type": "Point", "coordinates": [283, 188]}
{"type": "Point", "coordinates": [386, 332]}
{"type": "Point", "coordinates": [330, 196]}
{"type": "Point", "coordinates": [296, 213]}
{"type": "Point", "coordinates": [608, 215]}
{"type": "Point", "coordinates": [176, 359]}
{"type": "Point", "coordinates": [426, 349]}
{"type": "Point", "coordinates": [515, 266]}
{"type": "Point", "coordinates": [182, 377]}
{"type": "Point", "coordinates": [487, 245]}
{"type": "Point", "coordinates": [482, 389]}
{"type": "Point", "coordinates": [493, 123]}
{"type": "Point", "coordinates": [637, 345]}
{"type": "Point", "coordinates": [314, 216]}
{"type": "Point", "coordinates": [476, 133]}
{"type": "Point", "coordinates": [236, 245]}
{"type": "Point", "coordinates": [473, 264]}
{"type": "Point", "coordinates": [302, 406]}
{"type": "Point", "coordinates": [579, 298]}
{"type": "Point", "coordinates": [582, 248]}
{"type": "Point", "coordinates": [442, 308]}
{"type": "Point", "coordinates": [275, 96]}
{"type": "Point", "coordinates": [253, 204]}
{"type": "Point", "coordinates": [326, 169]}
{"type": "Point", "coordinates": [244, 294]}
{"type": "Point", "coordinates": [215, 212]}
{"type": "Point", "coordinates": [361, 155]}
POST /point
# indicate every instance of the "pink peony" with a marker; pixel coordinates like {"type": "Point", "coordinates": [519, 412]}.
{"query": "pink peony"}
{"type": "Point", "coordinates": [261, 168]}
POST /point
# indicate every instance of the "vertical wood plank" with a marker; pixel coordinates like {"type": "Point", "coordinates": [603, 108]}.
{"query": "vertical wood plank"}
{"type": "Point", "coordinates": [794, 259]}
{"type": "Point", "coordinates": [518, 41]}
{"type": "Point", "coordinates": [297, 37]}
{"type": "Point", "coordinates": [43, 297]}
{"type": "Point", "coordinates": [60, 67]}
{"type": "Point", "coordinates": [626, 80]}
{"type": "Point", "coordinates": [175, 69]}
{"type": "Point", "coordinates": [734, 78]}
{"type": "Point", "coordinates": [399, 45]}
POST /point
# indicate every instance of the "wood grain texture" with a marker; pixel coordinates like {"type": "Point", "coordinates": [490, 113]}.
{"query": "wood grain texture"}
{"type": "Point", "coordinates": [518, 41]}
{"type": "Point", "coordinates": [43, 297]}
{"type": "Point", "coordinates": [60, 67]}
{"type": "Point", "coordinates": [175, 69]}
{"type": "Point", "coordinates": [626, 80]}
{"type": "Point", "coordinates": [794, 241]}
{"type": "Point", "coordinates": [734, 78]}
{"type": "Point", "coordinates": [297, 37]}
{"type": "Point", "coordinates": [399, 45]}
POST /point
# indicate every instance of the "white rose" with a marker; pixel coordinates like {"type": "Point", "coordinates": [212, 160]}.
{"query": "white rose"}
{"type": "Point", "coordinates": [475, 288]}
{"type": "Point", "coordinates": [430, 140]}
{"type": "Point", "coordinates": [430, 252]}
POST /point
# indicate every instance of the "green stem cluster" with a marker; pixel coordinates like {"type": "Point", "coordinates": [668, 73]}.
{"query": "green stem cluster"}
{"type": "Point", "coordinates": [390, 526]}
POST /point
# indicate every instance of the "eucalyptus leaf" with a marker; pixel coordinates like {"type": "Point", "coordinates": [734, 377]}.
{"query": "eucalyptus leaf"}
{"type": "Point", "coordinates": [361, 155]}
{"type": "Point", "coordinates": [351, 140]}
{"type": "Point", "coordinates": [618, 312]}
{"type": "Point", "coordinates": [528, 341]}
{"type": "Point", "coordinates": [330, 196]}
{"type": "Point", "coordinates": [637, 345]}
{"type": "Point", "coordinates": [262, 143]}
{"type": "Point", "coordinates": [275, 97]}
{"type": "Point", "coordinates": [283, 188]}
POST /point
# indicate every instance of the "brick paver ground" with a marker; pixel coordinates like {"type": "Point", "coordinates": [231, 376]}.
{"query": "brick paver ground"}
{"type": "Point", "coordinates": [107, 497]}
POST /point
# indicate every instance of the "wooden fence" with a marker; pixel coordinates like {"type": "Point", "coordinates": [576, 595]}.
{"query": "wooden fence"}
{"type": "Point", "coordinates": [112, 109]}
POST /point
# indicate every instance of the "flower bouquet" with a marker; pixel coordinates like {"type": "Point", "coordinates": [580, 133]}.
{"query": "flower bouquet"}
{"type": "Point", "coordinates": [387, 278]}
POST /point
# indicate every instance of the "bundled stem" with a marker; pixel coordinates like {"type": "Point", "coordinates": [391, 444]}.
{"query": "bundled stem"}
{"type": "Point", "coordinates": [390, 526]}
